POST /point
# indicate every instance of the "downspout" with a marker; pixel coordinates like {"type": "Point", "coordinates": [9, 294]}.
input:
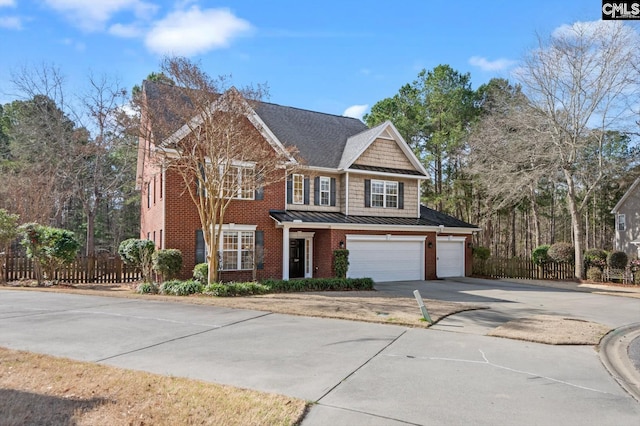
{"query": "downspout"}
{"type": "Point", "coordinates": [346, 194]}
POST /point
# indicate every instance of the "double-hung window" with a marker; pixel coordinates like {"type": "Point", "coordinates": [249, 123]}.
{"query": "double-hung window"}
{"type": "Point", "coordinates": [622, 225]}
{"type": "Point", "coordinates": [238, 249]}
{"type": "Point", "coordinates": [298, 189]}
{"type": "Point", "coordinates": [384, 194]}
{"type": "Point", "coordinates": [325, 191]}
{"type": "Point", "coordinates": [239, 183]}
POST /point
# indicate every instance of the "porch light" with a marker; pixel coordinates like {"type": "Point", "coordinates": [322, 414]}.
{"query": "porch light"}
{"type": "Point", "coordinates": [341, 244]}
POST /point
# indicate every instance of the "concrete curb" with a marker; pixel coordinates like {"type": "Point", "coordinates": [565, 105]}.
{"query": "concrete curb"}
{"type": "Point", "coordinates": [613, 350]}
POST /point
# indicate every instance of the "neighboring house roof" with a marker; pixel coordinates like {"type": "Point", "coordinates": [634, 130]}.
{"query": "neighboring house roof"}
{"type": "Point", "coordinates": [626, 195]}
{"type": "Point", "coordinates": [322, 140]}
{"type": "Point", "coordinates": [428, 217]}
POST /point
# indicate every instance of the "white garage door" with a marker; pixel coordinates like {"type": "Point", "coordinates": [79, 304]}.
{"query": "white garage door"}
{"type": "Point", "coordinates": [386, 258]}
{"type": "Point", "coordinates": [450, 257]}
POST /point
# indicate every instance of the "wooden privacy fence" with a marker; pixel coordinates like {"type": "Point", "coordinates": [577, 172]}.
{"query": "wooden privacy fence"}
{"type": "Point", "coordinates": [101, 269]}
{"type": "Point", "coordinates": [522, 268]}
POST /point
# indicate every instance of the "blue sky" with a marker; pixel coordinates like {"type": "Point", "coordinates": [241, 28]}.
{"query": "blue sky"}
{"type": "Point", "coordinates": [339, 57]}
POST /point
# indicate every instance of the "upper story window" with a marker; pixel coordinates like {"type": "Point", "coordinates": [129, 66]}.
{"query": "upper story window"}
{"type": "Point", "coordinates": [298, 189]}
{"type": "Point", "coordinates": [325, 191]}
{"type": "Point", "coordinates": [384, 194]}
{"type": "Point", "coordinates": [622, 224]}
{"type": "Point", "coordinates": [239, 183]}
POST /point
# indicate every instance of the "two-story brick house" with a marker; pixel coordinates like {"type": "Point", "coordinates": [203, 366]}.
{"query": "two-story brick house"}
{"type": "Point", "coordinates": [358, 188]}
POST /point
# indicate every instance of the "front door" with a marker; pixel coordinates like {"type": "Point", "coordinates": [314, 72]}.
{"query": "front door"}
{"type": "Point", "coordinates": [296, 258]}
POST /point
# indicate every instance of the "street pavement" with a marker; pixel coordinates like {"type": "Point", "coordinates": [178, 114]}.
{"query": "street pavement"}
{"type": "Point", "coordinates": [356, 373]}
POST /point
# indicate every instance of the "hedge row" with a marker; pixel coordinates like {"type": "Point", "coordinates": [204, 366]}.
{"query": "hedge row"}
{"type": "Point", "coordinates": [185, 288]}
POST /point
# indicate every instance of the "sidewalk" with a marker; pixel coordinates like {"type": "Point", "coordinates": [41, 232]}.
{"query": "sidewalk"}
{"type": "Point", "coordinates": [611, 290]}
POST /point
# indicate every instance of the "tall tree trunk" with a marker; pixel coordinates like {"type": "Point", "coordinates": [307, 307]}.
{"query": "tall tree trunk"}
{"type": "Point", "coordinates": [576, 224]}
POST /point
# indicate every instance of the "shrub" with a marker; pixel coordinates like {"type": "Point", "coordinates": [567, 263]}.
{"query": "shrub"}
{"type": "Point", "coordinates": [594, 274]}
{"type": "Point", "coordinates": [50, 248]}
{"type": "Point", "coordinates": [561, 253]}
{"type": "Point", "coordinates": [201, 273]}
{"type": "Point", "coordinates": [235, 289]}
{"type": "Point", "coordinates": [540, 255]}
{"type": "Point", "coordinates": [481, 253]}
{"type": "Point", "coordinates": [181, 288]}
{"type": "Point", "coordinates": [617, 260]}
{"type": "Point", "coordinates": [138, 253]}
{"type": "Point", "coordinates": [595, 258]}
{"type": "Point", "coordinates": [147, 288]}
{"type": "Point", "coordinates": [167, 263]}
{"type": "Point", "coordinates": [341, 262]}
{"type": "Point", "coordinates": [319, 284]}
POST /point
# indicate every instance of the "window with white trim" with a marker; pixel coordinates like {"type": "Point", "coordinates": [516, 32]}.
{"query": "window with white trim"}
{"type": "Point", "coordinates": [325, 191]}
{"type": "Point", "coordinates": [384, 194]}
{"type": "Point", "coordinates": [622, 223]}
{"type": "Point", "coordinates": [298, 189]}
{"type": "Point", "coordinates": [238, 249]}
{"type": "Point", "coordinates": [238, 183]}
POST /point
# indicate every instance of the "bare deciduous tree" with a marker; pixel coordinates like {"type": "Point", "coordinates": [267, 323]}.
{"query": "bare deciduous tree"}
{"type": "Point", "coordinates": [206, 133]}
{"type": "Point", "coordinates": [580, 84]}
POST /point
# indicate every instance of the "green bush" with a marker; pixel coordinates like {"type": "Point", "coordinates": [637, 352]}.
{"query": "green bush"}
{"type": "Point", "coordinates": [341, 262]}
{"type": "Point", "coordinates": [201, 273]}
{"type": "Point", "coordinates": [138, 253]}
{"type": "Point", "coordinates": [594, 274]}
{"type": "Point", "coordinates": [181, 288]}
{"type": "Point", "coordinates": [481, 253]}
{"type": "Point", "coordinates": [561, 253]}
{"type": "Point", "coordinates": [167, 263]}
{"type": "Point", "coordinates": [235, 289]}
{"type": "Point", "coordinates": [50, 248]}
{"type": "Point", "coordinates": [617, 260]}
{"type": "Point", "coordinates": [595, 258]}
{"type": "Point", "coordinates": [540, 255]}
{"type": "Point", "coordinates": [147, 288]}
{"type": "Point", "coordinates": [319, 284]}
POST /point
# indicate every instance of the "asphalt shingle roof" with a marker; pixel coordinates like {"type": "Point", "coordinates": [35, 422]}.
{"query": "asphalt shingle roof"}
{"type": "Point", "coordinates": [320, 138]}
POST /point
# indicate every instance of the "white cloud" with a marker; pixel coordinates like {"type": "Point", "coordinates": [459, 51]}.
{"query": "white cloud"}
{"type": "Point", "coordinates": [92, 16]}
{"type": "Point", "coordinates": [10, 22]}
{"type": "Point", "coordinates": [486, 65]}
{"type": "Point", "coordinates": [7, 3]}
{"type": "Point", "coordinates": [356, 111]}
{"type": "Point", "coordinates": [195, 31]}
{"type": "Point", "coordinates": [125, 31]}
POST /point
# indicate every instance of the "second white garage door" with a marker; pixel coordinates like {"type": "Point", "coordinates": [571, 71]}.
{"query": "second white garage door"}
{"type": "Point", "coordinates": [450, 257]}
{"type": "Point", "coordinates": [386, 258]}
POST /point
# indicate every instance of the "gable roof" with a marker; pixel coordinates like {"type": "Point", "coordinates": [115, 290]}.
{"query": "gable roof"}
{"type": "Point", "coordinates": [322, 140]}
{"type": "Point", "coordinates": [626, 195]}
{"type": "Point", "coordinates": [358, 144]}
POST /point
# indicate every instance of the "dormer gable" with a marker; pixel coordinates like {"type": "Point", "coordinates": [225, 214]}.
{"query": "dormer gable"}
{"type": "Point", "coordinates": [381, 148]}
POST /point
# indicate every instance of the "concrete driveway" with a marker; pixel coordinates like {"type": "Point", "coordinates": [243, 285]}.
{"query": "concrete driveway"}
{"type": "Point", "coordinates": [508, 300]}
{"type": "Point", "coordinates": [356, 373]}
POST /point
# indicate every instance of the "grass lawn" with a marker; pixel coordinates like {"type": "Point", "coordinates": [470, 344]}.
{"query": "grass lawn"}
{"type": "Point", "coordinates": [44, 390]}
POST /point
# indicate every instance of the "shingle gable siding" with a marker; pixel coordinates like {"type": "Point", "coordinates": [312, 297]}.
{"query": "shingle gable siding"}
{"type": "Point", "coordinates": [385, 153]}
{"type": "Point", "coordinates": [631, 209]}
